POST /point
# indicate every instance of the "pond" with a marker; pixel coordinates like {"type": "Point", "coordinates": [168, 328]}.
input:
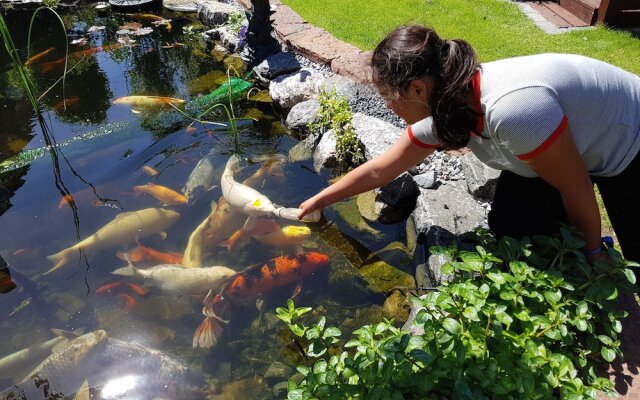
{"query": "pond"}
{"type": "Point", "coordinates": [117, 159]}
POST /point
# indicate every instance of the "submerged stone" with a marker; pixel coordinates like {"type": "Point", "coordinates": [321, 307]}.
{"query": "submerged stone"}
{"type": "Point", "coordinates": [383, 277]}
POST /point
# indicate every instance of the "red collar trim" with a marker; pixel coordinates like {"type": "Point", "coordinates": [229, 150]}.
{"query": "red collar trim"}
{"type": "Point", "coordinates": [475, 85]}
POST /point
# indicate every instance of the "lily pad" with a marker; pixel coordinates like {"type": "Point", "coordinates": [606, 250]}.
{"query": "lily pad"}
{"type": "Point", "coordinates": [261, 96]}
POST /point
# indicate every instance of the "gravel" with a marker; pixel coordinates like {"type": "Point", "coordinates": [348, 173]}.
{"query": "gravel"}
{"type": "Point", "coordinates": [367, 101]}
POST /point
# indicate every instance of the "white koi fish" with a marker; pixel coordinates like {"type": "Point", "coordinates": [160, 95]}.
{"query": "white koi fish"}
{"type": "Point", "coordinates": [123, 229]}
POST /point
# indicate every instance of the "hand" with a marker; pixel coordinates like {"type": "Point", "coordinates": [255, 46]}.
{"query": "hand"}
{"type": "Point", "coordinates": [308, 206]}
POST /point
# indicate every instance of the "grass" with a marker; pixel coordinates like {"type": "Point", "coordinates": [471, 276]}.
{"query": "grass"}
{"type": "Point", "coordinates": [497, 29]}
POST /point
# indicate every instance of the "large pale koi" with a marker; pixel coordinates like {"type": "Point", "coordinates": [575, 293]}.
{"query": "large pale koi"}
{"type": "Point", "coordinates": [252, 281]}
{"type": "Point", "coordinates": [123, 229]}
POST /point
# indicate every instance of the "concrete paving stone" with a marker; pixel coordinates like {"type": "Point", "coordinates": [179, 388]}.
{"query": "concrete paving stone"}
{"type": "Point", "coordinates": [317, 45]}
{"type": "Point", "coordinates": [355, 65]}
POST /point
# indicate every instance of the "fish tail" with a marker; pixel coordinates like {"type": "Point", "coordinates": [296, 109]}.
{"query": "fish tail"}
{"type": "Point", "coordinates": [208, 333]}
{"type": "Point", "coordinates": [59, 259]}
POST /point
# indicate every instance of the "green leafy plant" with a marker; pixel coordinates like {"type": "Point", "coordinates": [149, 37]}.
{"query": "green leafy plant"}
{"type": "Point", "coordinates": [235, 21]}
{"type": "Point", "coordinates": [50, 3]}
{"type": "Point", "coordinates": [519, 320]}
{"type": "Point", "coordinates": [334, 114]}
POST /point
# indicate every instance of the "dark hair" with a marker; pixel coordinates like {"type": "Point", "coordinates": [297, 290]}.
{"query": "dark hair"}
{"type": "Point", "coordinates": [415, 52]}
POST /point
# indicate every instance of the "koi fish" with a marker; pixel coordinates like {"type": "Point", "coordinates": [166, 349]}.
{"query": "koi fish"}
{"type": "Point", "coordinates": [39, 56]}
{"type": "Point", "coordinates": [123, 229]}
{"type": "Point", "coordinates": [154, 19]}
{"type": "Point", "coordinates": [71, 101]}
{"type": "Point", "coordinates": [50, 66]}
{"type": "Point", "coordinates": [148, 101]}
{"type": "Point", "coordinates": [143, 254]}
{"type": "Point", "coordinates": [129, 301]}
{"type": "Point", "coordinates": [175, 279]}
{"type": "Point", "coordinates": [168, 197]}
{"type": "Point", "coordinates": [252, 281]}
{"type": "Point", "coordinates": [291, 235]}
{"type": "Point", "coordinates": [108, 287]}
{"type": "Point", "coordinates": [263, 226]}
{"type": "Point", "coordinates": [149, 170]}
{"type": "Point", "coordinates": [252, 203]}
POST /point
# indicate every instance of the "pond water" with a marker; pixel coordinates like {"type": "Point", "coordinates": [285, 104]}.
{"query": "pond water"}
{"type": "Point", "coordinates": [124, 146]}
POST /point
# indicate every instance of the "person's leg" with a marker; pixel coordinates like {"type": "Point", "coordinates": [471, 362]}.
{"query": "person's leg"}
{"type": "Point", "coordinates": [619, 194]}
{"type": "Point", "coordinates": [525, 207]}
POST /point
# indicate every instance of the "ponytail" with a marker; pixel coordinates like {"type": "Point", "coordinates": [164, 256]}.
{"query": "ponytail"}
{"type": "Point", "coordinates": [416, 52]}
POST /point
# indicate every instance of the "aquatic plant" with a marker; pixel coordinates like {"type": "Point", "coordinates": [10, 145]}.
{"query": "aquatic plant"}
{"type": "Point", "coordinates": [334, 114]}
{"type": "Point", "coordinates": [520, 319]}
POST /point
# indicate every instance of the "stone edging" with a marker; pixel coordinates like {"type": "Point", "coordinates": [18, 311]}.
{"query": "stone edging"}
{"type": "Point", "coordinates": [316, 44]}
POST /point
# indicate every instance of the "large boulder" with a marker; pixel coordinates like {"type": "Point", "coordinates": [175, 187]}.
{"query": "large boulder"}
{"type": "Point", "coordinates": [290, 89]}
{"type": "Point", "coordinates": [277, 64]}
{"type": "Point", "coordinates": [213, 13]}
{"type": "Point", "coordinates": [481, 178]}
{"type": "Point", "coordinates": [325, 155]}
{"type": "Point", "coordinates": [301, 115]}
{"type": "Point", "coordinates": [375, 134]}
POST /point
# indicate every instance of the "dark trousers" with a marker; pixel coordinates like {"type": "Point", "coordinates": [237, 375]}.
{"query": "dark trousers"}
{"type": "Point", "coordinates": [529, 206]}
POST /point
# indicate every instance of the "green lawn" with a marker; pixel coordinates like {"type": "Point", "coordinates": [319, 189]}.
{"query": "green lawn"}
{"type": "Point", "coordinates": [497, 29]}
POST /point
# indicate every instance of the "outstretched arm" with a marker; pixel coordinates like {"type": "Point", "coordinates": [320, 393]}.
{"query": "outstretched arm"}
{"type": "Point", "coordinates": [372, 174]}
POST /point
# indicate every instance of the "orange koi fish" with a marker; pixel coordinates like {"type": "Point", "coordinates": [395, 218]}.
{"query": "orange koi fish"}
{"type": "Point", "coordinates": [139, 290]}
{"type": "Point", "coordinates": [143, 254]}
{"type": "Point", "coordinates": [155, 19]}
{"type": "Point", "coordinates": [39, 56]}
{"type": "Point", "coordinates": [290, 235]}
{"type": "Point", "coordinates": [148, 101]}
{"type": "Point", "coordinates": [50, 66]}
{"type": "Point", "coordinates": [149, 170]}
{"type": "Point", "coordinates": [164, 194]}
{"type": "Point", "coordinates": [71, 101]}
{"type": "Point", "coordinates": [108, 287]}
{"type": "Point", "coordinates": [129, 301]}
{"type": "Point", "coordinates": [254, 280]}
{"type": "Point", "coordinates": [263, 226]}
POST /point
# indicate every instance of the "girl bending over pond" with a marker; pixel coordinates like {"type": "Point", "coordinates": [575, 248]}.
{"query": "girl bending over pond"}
{"type": "Point", "coordinates": [555, 124]}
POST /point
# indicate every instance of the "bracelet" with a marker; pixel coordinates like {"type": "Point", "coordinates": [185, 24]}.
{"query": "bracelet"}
{"type": "Point", "coordinates": [593, 252]}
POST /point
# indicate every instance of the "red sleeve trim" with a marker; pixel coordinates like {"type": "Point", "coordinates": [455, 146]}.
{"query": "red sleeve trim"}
{"type": "Point", "coordinates": [547, 143]}
{"type": "Point", "coordinates": [417, 142]}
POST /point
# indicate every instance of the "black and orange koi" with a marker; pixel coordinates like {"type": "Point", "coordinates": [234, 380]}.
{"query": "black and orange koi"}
{"type": "Point", "coordinates": [252, 281]}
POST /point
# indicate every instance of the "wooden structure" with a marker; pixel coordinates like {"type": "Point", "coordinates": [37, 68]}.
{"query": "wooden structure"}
{"type": "Point", "coordinates": [571, 13]}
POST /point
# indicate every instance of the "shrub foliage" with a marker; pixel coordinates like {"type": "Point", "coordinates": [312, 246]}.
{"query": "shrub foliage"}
{"type": "Point", "coordinates": [518, 320]}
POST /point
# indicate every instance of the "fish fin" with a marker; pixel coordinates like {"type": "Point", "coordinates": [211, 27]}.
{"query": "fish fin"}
{"type": "Point", "coordinates": [214, 206]}
{"type": "Point", "coordinates": [129, 270]}
{"type": "Point", "coordinates": [260, 304]}
{"type": "Point", "coordinates": [83, 392]}
{"type": "Point", "coordinates": [67, 334]}
{"type": "Point", "coordinates": [136, 111]}
{"type": "Point", "coordinates": [207, 334]}
{"type": "Point", "coordinates": [249, 224]}
{"type": "Point", "coordinates": [163, 235]}
{"type": "Point", "coordinates": [297, 290]}
{"type": "Point", "coordinates": [59, 259]}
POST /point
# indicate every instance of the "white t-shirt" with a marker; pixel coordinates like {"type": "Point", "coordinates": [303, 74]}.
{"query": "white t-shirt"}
{"type": "Point", "coordinates": [527, 102]}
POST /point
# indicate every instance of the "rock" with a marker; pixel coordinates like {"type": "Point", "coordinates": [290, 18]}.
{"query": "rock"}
{"type": "Point", "coordinates": [290, 89]}
{"type": "Point", "coordinates": [188, 6]}
{"type": "Point", "coordinates": [401, 191]}
{"type": "Point", "coordinates": [219, 53]}
{"type": "Point", "coordinates": [214, 13]}
{"type": "Point", "coordinates": [325, 155]}
{"type": "Point", "coordinates": [396, 254]}
{"type": "Point", "coordinates": [280, 390]}
{"type": "Point", "coordinates": [302, 114]}
{"type": "Point", "coordinates": [345, 282]}
{"type": "Point", "coordinates": [433, 271]}
{"type": "Point", "coordinates": [228, 38]}
{"type": "Point", "coordinates": [350, 222]}
{"type": "Point", "coordinates": [426, 180]}
{"type": "Point", "coordinates": [375, 134]}
{"type": "Point", "coordinates": [278, 371]}
{"type": "Point", "coordinates": [343, 86]}
{"type": "Point", "coordinates": [409, 326]}
{"type": "Point", "coordinates": [369, 208]}
{"type": "Point", "coordinates": [248, 388]}
{"type": "Point", "coordinates": [449, 208]}
{"type": "Point", "coordinates": [302, 151]}
{"type": "Point", "coordinates": [276, 65]}
{"type": "Point", "coordinates": [396, 306]}
{"type": "Point", "coordinates": [383, 277]}
{"type": "Point", "coordinates": [481, 178]}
